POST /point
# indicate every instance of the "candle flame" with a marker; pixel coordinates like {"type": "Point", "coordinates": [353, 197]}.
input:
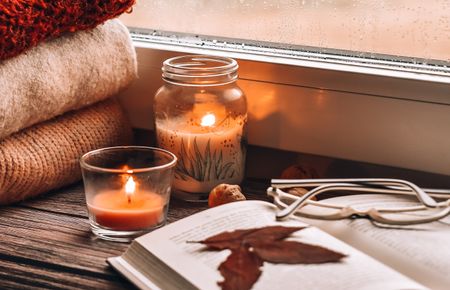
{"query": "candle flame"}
{"type": "Point", "coordinates": [130, 187]}
{"type": "Point", "coordinates": [208, 120]}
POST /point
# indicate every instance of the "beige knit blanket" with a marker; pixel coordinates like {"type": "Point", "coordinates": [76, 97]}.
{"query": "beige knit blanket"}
{"type": "Point", "coordinates": [63, 74]}
{"type": "Point", "coordinates": [46, 156]}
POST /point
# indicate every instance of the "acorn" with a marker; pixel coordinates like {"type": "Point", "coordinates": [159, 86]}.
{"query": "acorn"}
{"type": "Point", "coordinates": [225, 193]}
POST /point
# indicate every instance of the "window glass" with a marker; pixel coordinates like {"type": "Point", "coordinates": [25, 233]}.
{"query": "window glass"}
{"type": "Point", "coordinates": [416, 29]}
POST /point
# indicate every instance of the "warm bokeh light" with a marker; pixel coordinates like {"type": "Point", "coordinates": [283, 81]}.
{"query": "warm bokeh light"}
{"type": "Point", "coordinates": [208, 120]}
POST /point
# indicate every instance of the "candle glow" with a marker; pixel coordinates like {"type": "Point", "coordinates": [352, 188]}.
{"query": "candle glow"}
{"type": "Point", "coordinates": [208, 120]}
{"type": "Point", "coordinates": [130, 188]}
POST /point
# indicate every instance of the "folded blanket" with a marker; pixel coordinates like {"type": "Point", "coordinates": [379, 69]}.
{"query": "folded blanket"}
{"type": "Point", "coordinates": [23, 24]}
{"type": "Point", "coordinates": [64, 74]}
{"type": "Point", "coordinates": [46, 156]}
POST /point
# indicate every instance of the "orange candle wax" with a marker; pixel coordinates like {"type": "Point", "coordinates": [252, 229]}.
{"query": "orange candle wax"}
{"type": "Point", "coordinates": [127, 210]}
{"type": "Point", "coordinates": [112, 210]}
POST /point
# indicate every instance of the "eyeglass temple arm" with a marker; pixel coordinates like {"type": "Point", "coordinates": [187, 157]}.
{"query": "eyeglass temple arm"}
{"type": "Point", "coordinates": [288, 211]}
{"type": "Point", "coordinates": [421, 195]}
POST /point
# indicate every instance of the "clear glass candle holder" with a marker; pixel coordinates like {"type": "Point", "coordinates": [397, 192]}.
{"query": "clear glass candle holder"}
{"type": "Point", "coordinates": [127, 190]}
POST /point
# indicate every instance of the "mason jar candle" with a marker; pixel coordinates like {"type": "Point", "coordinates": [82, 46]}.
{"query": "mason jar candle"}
{"type": "Point", "coordinates": [200, 116]}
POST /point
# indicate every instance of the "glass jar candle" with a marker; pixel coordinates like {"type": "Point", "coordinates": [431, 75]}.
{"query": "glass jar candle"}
{"type": "Point", "coordinates": [127, 190]}
{"type": "Point", "coordinates": [200, 116]}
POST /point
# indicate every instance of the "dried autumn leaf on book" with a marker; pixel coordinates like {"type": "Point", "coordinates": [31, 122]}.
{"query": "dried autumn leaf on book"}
{"type": "Point", "coordinates": [241, 269]}
{"type": "Point", "coordinates": [234, 239]}
{"type": "Point", "coordinates": [289, 252]}
{"type": "Point", "coordinates": [227, 240]}
{"type": "Point", "coordinates": [251, 247]}
{"type": "Point", "coordinates": [271, 233]}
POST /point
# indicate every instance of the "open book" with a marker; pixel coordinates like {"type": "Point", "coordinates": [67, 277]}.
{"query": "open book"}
{"type": "Point", "coordinates": [163, 260]}
{"type": "Point", "coordinates": [421, 252]}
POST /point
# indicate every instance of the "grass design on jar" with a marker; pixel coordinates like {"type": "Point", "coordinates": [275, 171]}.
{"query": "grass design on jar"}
{"type": "Point", "coordinates": [203, 166]}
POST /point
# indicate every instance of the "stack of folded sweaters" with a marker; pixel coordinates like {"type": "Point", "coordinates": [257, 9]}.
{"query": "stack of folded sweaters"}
{"type": "Point", "coordinates": [60, 63]}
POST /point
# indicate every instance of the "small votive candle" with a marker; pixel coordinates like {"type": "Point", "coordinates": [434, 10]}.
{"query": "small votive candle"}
{"type": "Point", "coordinates": [127, 190]}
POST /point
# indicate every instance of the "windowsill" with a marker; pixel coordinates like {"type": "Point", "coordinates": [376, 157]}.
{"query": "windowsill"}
{"type": "Point", "coordinates": [309, 69]}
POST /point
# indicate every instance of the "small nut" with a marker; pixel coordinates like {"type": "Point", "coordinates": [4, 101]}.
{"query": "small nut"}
{"type": "Point", "coordinates": [299, 191]}
{"type": "Point", "coordinates": [224, 193]}
{"type": "Point", "coordinates": [304, 171]}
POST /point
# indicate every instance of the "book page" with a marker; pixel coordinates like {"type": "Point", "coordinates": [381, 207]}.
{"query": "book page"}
{"type": "Point", "coordinates": [199, 267]}
{"type": "Point", "coordinates": [421, 252]}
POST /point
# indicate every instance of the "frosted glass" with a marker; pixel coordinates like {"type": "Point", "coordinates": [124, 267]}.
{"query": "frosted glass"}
{"type": "Point", "coordinates": [411, 28]}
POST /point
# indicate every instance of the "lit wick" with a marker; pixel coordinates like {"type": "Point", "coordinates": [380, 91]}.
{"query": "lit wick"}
{"type": "Point", "coordinates": [208, 120]}
{"type": "Point", "coordinates": [130, 187]}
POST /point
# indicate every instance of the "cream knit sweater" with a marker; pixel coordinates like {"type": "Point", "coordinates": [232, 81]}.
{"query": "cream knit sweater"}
{"type": "Point", "coordinates": [64, 74]}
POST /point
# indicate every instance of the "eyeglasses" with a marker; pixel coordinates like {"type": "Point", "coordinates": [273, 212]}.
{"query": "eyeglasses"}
{"type": "Point", "coordinates": [427, 209]}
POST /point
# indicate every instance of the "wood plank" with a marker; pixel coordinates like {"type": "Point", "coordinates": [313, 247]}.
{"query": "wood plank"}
{"type": "Point", "coordinates": [252, 189]}
{"type": "Point", "coordinates": [57, 239]}
{"type": "Point", "coordinates": [19, 274]}
{"type": "Point", "coordinates": [71, 201]}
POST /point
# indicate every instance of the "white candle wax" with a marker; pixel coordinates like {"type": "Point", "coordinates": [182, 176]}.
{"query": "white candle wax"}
{"type": "Point", "coordinates": [208, 154]}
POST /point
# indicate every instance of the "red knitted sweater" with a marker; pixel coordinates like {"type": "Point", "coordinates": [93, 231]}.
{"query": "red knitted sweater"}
{"type": "Point", "coordinates": [24, 23]}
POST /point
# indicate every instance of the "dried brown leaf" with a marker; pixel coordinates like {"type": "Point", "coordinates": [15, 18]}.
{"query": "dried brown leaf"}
{"type": "Point", "coordinates": [290, 252]}
{"type": "Point", "coordinates": [231, 240]}
{"type": "Point", "coordinates": [227, 240]}
{"type": "Point", "coordinates": [270, 233]}
{"type": "Point", "coordinates": [251, 247]}
{"type": "Point", "coordinates": [240, 270]}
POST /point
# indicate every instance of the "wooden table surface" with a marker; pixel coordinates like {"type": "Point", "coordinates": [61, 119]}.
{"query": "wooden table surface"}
{"type": "Point", "coordinates": [47, 242]}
